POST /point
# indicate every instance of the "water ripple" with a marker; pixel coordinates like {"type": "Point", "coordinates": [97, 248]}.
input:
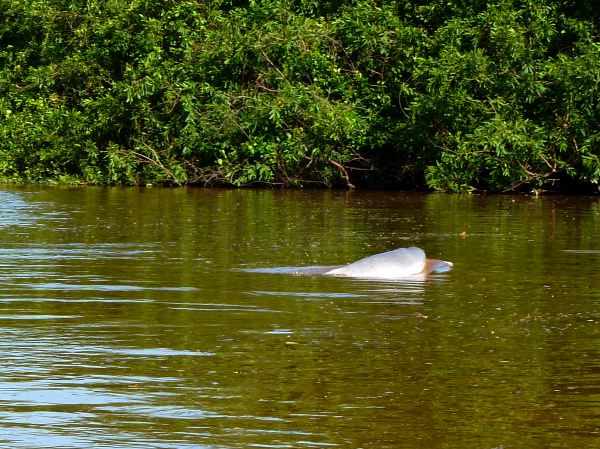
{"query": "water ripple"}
{"type": "Point", "coordinates": [102, 287]}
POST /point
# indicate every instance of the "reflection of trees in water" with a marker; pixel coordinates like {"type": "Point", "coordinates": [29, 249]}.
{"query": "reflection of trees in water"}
{"type": "Point", "coordinates": [500, 351]}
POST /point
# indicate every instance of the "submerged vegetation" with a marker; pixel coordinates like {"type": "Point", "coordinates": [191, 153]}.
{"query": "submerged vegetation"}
{"type": "Point", "coordinates": [498, 95]}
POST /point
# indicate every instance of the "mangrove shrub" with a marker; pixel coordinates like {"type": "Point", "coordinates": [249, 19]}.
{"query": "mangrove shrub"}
{"type": "Point", "coordinates": [499, 95]}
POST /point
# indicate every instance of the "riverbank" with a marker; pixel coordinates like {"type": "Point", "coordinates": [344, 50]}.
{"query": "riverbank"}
{"type": "Point", "coordinates": [495, 96]}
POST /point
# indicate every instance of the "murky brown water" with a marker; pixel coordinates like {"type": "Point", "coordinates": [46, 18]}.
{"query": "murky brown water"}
{"type": "Point", "coordinates": [129, 319]}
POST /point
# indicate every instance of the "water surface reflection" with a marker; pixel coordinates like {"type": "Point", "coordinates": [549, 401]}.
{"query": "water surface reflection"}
{"type": "Point", "coordinates": [126, 321]}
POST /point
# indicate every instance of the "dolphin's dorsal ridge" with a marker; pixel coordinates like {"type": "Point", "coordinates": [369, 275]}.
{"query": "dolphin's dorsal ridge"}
{"type": "Point", "coordinates": [399, 263]}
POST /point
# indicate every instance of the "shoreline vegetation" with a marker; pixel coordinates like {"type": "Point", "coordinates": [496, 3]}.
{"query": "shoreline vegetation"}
{"type": "Point", "coordinates": [499, 95]}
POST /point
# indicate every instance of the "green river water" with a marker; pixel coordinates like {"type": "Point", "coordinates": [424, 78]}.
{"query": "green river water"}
{"type": "Point", "coordinates": [161, 318]}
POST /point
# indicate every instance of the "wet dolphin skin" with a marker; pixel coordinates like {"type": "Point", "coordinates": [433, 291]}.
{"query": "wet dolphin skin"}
{"type": "Point", "coordinates": [399, 263]}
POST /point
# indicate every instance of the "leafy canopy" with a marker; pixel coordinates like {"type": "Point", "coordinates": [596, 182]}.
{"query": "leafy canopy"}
{"type": "Point", "coordinates": [498, 95]}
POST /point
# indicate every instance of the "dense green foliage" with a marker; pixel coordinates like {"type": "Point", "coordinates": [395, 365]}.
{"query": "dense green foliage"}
{"type": "Point", "coordinates": [499, 95]}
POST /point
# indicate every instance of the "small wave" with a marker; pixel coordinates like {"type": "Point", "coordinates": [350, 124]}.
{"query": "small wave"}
{"type": "Point", "coordinates": [582, 251]}
{"type": "Point", "coordinates": [39, 317]}
{"type": "Point", "coordinates": [305, 294]}
{"type": "Point", "coordinates": [102, 287]}
{"type": "Point", "coordinates": [154, 352]}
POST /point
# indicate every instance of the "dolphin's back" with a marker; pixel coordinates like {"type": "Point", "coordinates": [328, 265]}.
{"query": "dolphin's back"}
{"type": "Point", "coordinates": [389, 265]}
